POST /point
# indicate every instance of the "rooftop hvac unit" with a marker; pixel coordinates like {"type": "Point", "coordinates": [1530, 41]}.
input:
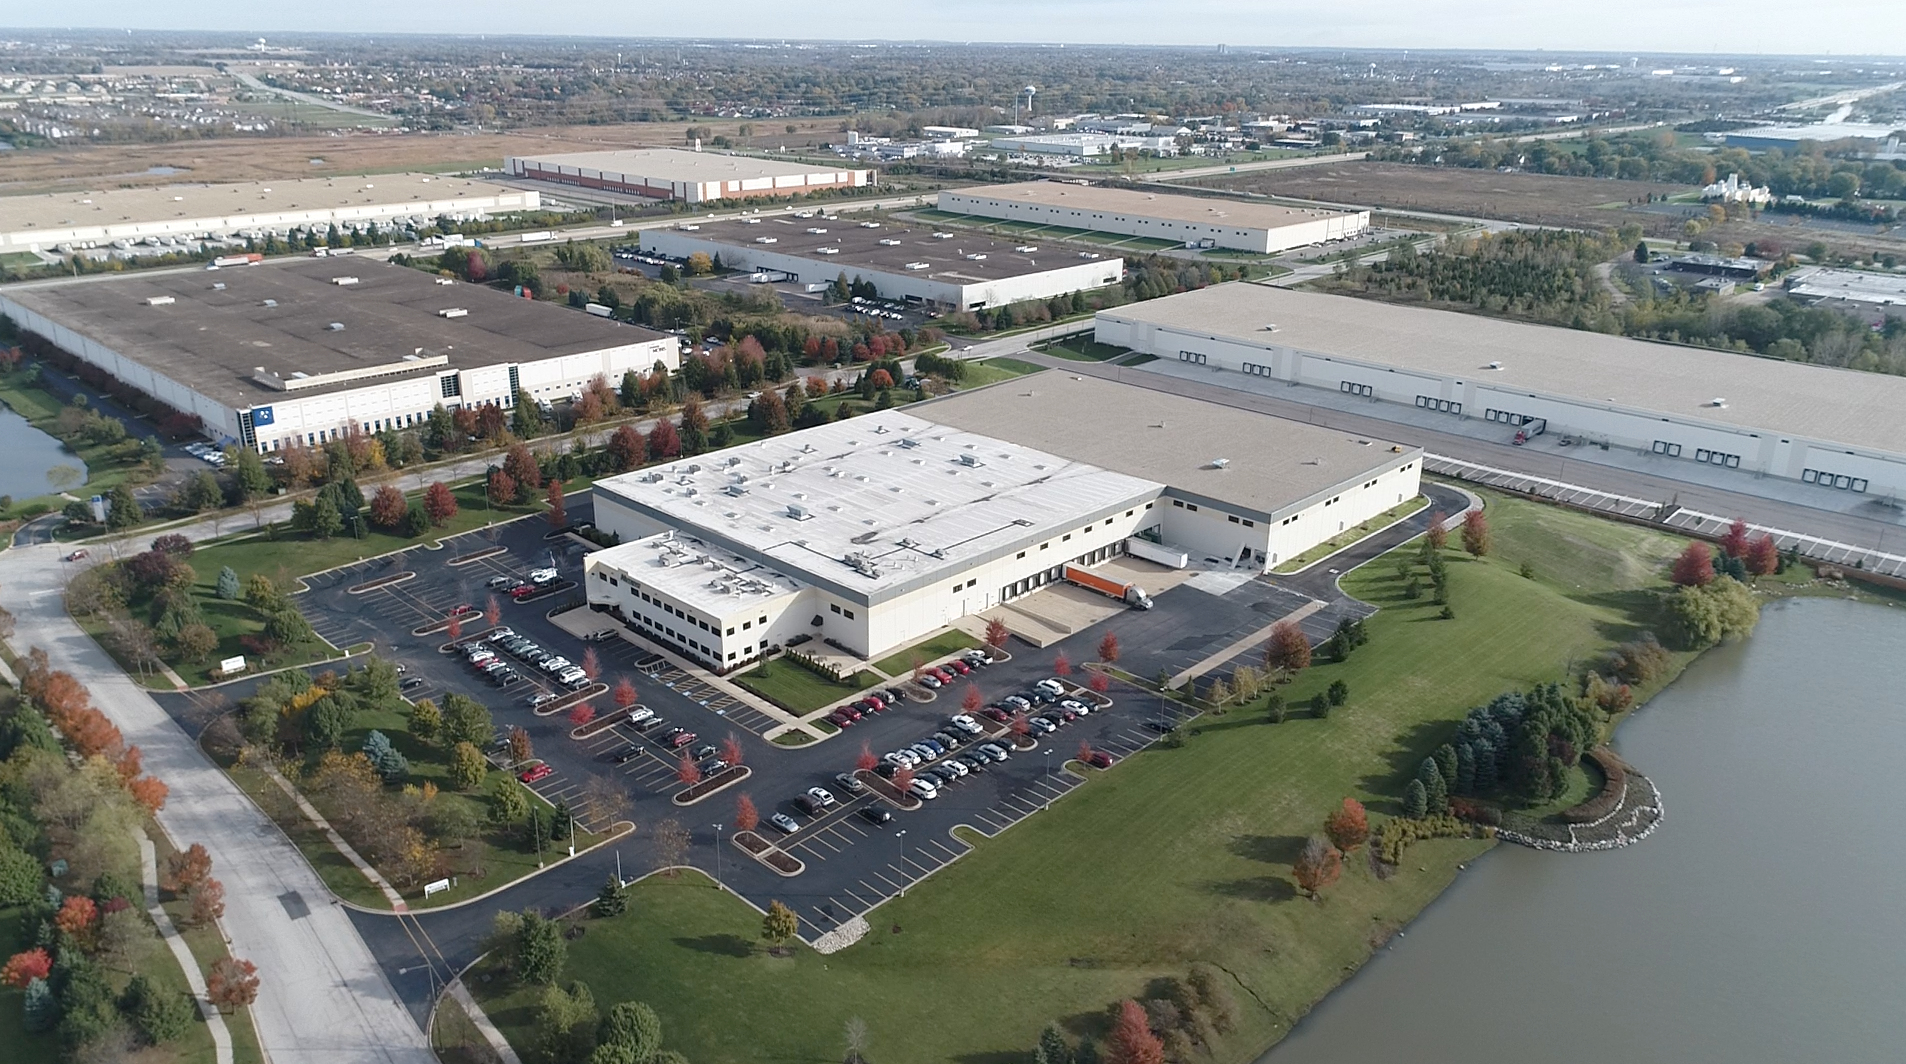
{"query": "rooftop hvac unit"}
{"type": "Point", "coordinates": [219, 286]}
{"type": "Point", "coordinates": [1220, 463]}
{"type": "Point", "coordinates": [1717, 401]}
{"type": "Point", "coordinates": [977, 256]}
{"type": "Point", "coordinates": [889, 242]}
{"type": "Point", "coordinates": [160, 301]}
{"type": "Point", "coordinates": [1495, 365]}
{"type": "Point", "coordinates": [445, 280]}
{"type": "Point", "coordinates": [816, 230]}
{"type": "Point", "coordinates": [919, 265]}
{"type": "Point", "coordinates": [1026, 249]}
{"type": "Point", "coordinates": [767, 240]}
{"type": "Point", "coordinates": [343, 280]}
{"type": "Point", "coordinates": [268, 302]}
{"type": "Point", "coordinates": [969, 459]}
{"type": "Point", "coordinates": [870, 225]}
{"type": "Point", "coordinates": [798, 512]}
{"type": "Point", "coordinates": [943, 236]}
{"type": "Point", "coordinates": [453, 312]}
{"type": "Point", "coordinates": [336, 326]}
{"type": "Point", "coordinates": [826, 251]}
{"type": "Point", "coordinates": [688, 227]}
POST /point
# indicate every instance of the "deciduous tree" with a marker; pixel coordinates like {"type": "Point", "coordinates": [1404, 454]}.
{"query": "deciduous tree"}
{"type": "Point", "coordinates": [233, 983]}
{"type": "Point", "coordinates": [520, 748]}
{"type": "Point", "coordinates": [746, 815]}
{"type": "Point", "coordinates": [1437, 532]}
{"type": "Point", "coordinates": [522, 468]}
{"type": "Point", "coordinates": [731, 751]}
{"type": "Point", "coordinates": [439, 504]}
{"type": "Point", "coordinates": [1348, 827]}
{"type": "Point", "coordinates": [687, 772]}
{"type": "Point", "coordinates": [1694, 567]}
{"type": "Point", "coordinates": [558, 512]}
{"type": "Point", "coordinates": [591, 664]}
{"type": "Point", "coordinates": [1288, 649]}
{"type": "Point", "coordinates": [624, 693]}
{"type": "Point", "coordinates": [1132, 1040]}
{"type": "Point", "coordinates": [503, 488]}
{"type": "Point", "coordinates": [627, 449]}
{"type": "Point", "coordinates": [208, 901]}
{"type": "Point", "coordinates": [1734, 542]}
{"type": "Point", "coordinates": [23, 968]}
{"type": "Point", "coordinates": [1062, 665]}
{"type": "Point", "coordinates": [387, 508]}
{"type": "Point", "coordinates": [1317, 866]}
{"type": "Point", "coordinates": [1098, 683]}
{"type": "Point", "coordinates": [664, 441]}
{"type": "Point", "coordinates": [971, 700]}
{"type": "Point", "coordinates": [1763, 556]}
{"type": "Point", "coordinates": [997, 633]}
{"type": "Point", "coordinates": [187, 868]}
{"type": "Point", "coordinates": [1476, 538]}
{"type": "Point", "coordinates": [866, 762]}
{"type": "Point", "coordinates": [1108, 648]}
{"type": "Point", "coordinates": [467, 767]}
{"type": "Point", "coordinates": [779, 924]}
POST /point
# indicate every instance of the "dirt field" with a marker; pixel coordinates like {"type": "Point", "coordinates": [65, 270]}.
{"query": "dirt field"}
{"type": "Point", "coordinates": [126, 165]}
{"type": "Point", "coordinates": [1576, 202]}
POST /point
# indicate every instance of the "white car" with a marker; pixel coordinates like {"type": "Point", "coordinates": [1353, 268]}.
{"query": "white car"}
{"type": "Point", "coordinates": [1075, 706]}
{"type": "Point", "coordinates": [640, 714]}
{"type": "Point", "coordinates": [820, 796]}
{"type": "Point", "coordinates": [542, 576]}
{"type": "Point", "coordinates": [786, 823]}
{"type": "Point", "coordinates": [924, 789]}
{"type": "Point", "coordinates": [1051, 687]}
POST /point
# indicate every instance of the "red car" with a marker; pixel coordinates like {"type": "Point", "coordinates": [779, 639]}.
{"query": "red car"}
{"type": "Point", "coordinates": [539, 772]}
{"type": "Point", "coordinates": [958, 666]}
{"type": "Point", "coordinates": [460, 610]}
{"type": "Point", "coordinates": [875, 701]}
{"type": "Point", "coordinates": [523, 592]}
{"type": "Point", "coordinates": [840, 720]}
{"type": "Point", "coordinates": [943, 675]}
{"type": "Point", "coordinates": [1100, 759]}
{"type": "Point", "coordinates": [682, 739]}
{"type": "Point", "coordinates": [996, 713]}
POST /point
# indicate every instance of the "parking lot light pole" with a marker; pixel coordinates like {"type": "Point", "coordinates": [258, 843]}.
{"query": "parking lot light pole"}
{"type": "Point", "coordinates": [902, 836]}
{"type": "Point", "coordinates": [718, 828]}
{"type": "Point", "coordinates": [1048, 778]}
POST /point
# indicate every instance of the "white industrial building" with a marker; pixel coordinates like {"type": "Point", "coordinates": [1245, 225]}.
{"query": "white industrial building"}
{"type": "Point", "coordinates": [1084, 145]}
{"type": "Point", "coordinates": [209, 212]}
{"type": "Point", "coordinates": [1838, 429]}
{"type": "Point", "coordinates": [1192, 220]}
{"type": "Point", "coordinates": [300, 351]}
{"type": "Point", "coordinates": [689, 176]}
{"type": "Point", "coordinates": [873, 532]}
{"type": "Point", "coordinates": [963, 271]}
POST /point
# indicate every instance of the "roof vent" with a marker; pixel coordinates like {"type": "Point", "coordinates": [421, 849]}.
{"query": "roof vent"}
{"type": "Point", "coordinates": [343, 280]}
{"type": "Point", "coordinates": [798, 512]}
{"type": "Point", "coordinates": [453, 312]}
{"type": "Point", "coordinates": [336, 326]}
{"type": "Point", "coordinates": [969, 459]}
{"type": "Point", "coordinates": [1220, 463]}
{"type": "Point", "coordinates": [816, 230]}
{"type": "Point", "coordinates": [271, 303]}
{"type": "Point", "coordinates": [919, 265]}
{"type": "Point", "coordinates": [160, 301]}
{"type": "Point", "coordinates": [1272, 327]}
{"type": "Point", "coordinates": [1717, 401]}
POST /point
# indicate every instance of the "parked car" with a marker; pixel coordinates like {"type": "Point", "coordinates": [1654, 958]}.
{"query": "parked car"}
{"type": "Point", "coordinates": [995, 751]}
{"type": "Point", "coordinates": [944, 676]}
{"type": "Point", "coordinates": [1075, 706]}
{"type": "Point", "coordinates": [1099, 759]}
{"type": "Point", "coordinates": [541, 699]}
{"type": "Point", "coordinates": [1015, 702]}
{"type": "Point", "coordinates": [1052, 686]}
{"type": "Point", "coordinates": [886, 770]}
{"type": "Point", "coordinates": [497, 583]}
{"type": "Point", "coordinates": [894, 696]}
{"type": "Point", "coordinates": [78, 555]}
{"type": "Point", "coordinates": [821, 795]}
{"type": "Point", "coordinates": [959, 666]}
{"type": "Point", "coordinates": [977, 656]}
{"type": "Point", "coordinates": [839, 719]}
{"type": "Point", "coordinates": [849, 782]}
{"type": "Point", "coordinates": [807, 806]}
{"type": "Point", "coordinates": [541, 771]}
{"type": "Point", "coordinates": [930, 681]}
{"type": "Point", "coordinates": [628, 755]}
{"type": "Point", "coordinates": [640, 714]}
{"type": "Point", "coordinates": [412, 683]}
{"type": "Point", "coordinates": [461, 609]}
{"type": "Point", "coordinates": [500, 633]}
{"type": "Point", "coordinates": [1162, 727]}
{"type": "Point", "coordinates": [876, 816]}
{"type": "Point", "coordinates": [786, 823]}
{"type": "Point", "coordinates": [705, 752]}
{"type": "Point", "coordinates": [924, 789]}
{"type": "Point", "coordinates": [681, 740]}
{"type": "Point", "coordinates": [650, 724]}
{"type": "Point", "coordinates": [543, 576]}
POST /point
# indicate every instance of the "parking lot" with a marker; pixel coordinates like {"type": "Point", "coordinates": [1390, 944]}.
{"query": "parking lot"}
{"type": "Point", "coordinates": [853, 861]}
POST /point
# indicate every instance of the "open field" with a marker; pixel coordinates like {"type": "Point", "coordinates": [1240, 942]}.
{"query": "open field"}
{"type": "Point", "coordinates": [1180, 856]}
{"type": "Point", "coordinates": [1542, 199]}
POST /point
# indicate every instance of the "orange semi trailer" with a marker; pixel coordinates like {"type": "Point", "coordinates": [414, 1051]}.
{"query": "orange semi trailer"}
{"type": "Point", "coordinates": [1130, 594]}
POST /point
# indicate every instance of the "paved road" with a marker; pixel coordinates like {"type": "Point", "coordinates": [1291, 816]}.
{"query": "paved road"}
{"type": "Point", "coordinates": [1877, 527]}
{"type": "Point", "coordinates": [323, 997]}
{"type": "Point", "coordinates": [1167, 177]}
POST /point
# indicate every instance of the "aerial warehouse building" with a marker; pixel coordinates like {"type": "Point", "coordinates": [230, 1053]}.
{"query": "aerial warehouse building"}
{"type": "Point", "coordinates": [1194, 221]}
{"type": "Point", "coordinates": [304, 350]}
{"type": "Point", "coordinates": [873, 532]}
{"type": "Point", "coordinates": [1836, 430]}
{"type": "Point", "coordinates": [688, 176]}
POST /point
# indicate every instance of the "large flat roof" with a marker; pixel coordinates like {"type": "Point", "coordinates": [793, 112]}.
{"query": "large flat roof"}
{"type": "Point", "coordinates": [278, 315]}
{"type": "Point", "coordinates": [676, 164]}
{"type": "Point", "coordinates": [892, 248]}
{"type": "Point", "coordinates": [1771, 395]}
{"type": "Point", "coordinates": [883, 502]}
{"type": "Point", "coordinates": [129, 206]}
{"type": "Point", "coordinates": [1273, 462]}
{"type": "Point", "coordinates": [691, 571]}
{"type": "Point", "coordinates": [1196, 209]}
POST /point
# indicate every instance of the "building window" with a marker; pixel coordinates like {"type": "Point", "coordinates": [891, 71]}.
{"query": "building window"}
{"type": "Point", "coordinates": [1353, 388]}
{"type": "Point", "coordinates": [833, 607]}
{"type": "Point", "coordinates": [1234, 518]}
{"type": "Point", "coordinates": [1192, 357]}
{"type": "Point", "coordinates": [1257, 370]}
{"type": "Point", "coordinates": [1672, 450]}
{"type": "Point", "coordinates": [1730, 461]}
{"type": "Point", "coordinates": [1178, 503]}
{"type": "Point", "coordinates": [1441, 406]}
{"type": "Point", "coordinates": [849, 614]}
{"type": "Point", "coordinates": [731, 630]}
{"type": "Point", "coordinates": [1022, 554]}
{"type": "Point", "coordinates": [1833, 480]}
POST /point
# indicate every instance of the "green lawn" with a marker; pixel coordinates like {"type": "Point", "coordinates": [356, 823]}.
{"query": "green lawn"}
{"type": "Point", "coordinates": [798, 690]}
{"type": "Point", "coordinates": [1178, 856]}
{"type": "Point", "coordinates": [900, 663]}
{"type": "Point", "coordinates": [994, 370]}
{"type": "Point", "coordinates": [1353, 534]}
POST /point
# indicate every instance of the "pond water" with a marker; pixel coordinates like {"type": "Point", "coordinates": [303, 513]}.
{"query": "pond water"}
{"type": "Point", "coordinates": [1762, 923]}
{"type": "Point", "coordinates": [30, 454]}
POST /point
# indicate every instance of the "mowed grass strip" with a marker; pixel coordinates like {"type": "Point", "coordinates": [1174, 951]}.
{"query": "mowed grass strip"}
{"type": "Point", "coordinates": [1173, 857]}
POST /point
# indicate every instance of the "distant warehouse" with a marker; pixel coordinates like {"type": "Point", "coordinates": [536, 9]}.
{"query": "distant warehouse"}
{"type": "Point", "coordinates": [964, 271]}
{"type": "Point", "coordinates": [1191, 220]}
{"type": "Point", "coordinates": [689, 176]}
{"type": "Point", "coordinates": [302, 352]}
{"type": "Point", "coordinates": [1836, 429]}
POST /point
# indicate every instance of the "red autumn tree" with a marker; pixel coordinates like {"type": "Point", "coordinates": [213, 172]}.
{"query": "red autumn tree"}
{"type": "Point", "coordinates": [1763, 556]}
{"type": "Point", "coordinates": [149, 792]}
{"type": "Point", "coordinates": [997, 633]}
{"type": "Point", "coordinates": [627, 449]}
{"type": "Point", "coordinates": [866, 762]}
{"type": "Point", "coordinates": [1476, 538]}
{"type": "Point", "coordinates": [1108, 648]}
{"type": "Point", "coordinates": [1734, 543]}
{"type": "Point", "coordinates": [687, 771]}
{"type": "Point", "coordinates": [1317, 866]}
{"type": "Point", "coordinates": [1348, 827]}
{"type": "Point", "coordinates": [22, 968]}
{"type": "Point", "coordinates": [208, 901]}
{"type": "Point", "coordinates": [582, 714]}
{"type": "Point", "coordinates": [1062, 665]}
{"type": "Point", "coordinates": [388, 507]}
{"type": "Point", "coordinates": [971, 700]}
{"type": "Point", "coordinates": [439, 505]}
{"type": "Point", "coordinates": [1019, 726]}
{"type": "Point", "coordinates": [903, 778]}
{"type": "Point", "coordinates": [454, 628]}
{"type": "Point", "coordinates": [233, 983]}
{"type": "Point", "coordinates": [624, 694]}
{"type": "Point", "coordinates": [78, 917]}
{"type": "Point", "coordinates": [1099, 683]}
{"type": "Point", "coordinates": [558, 512]}
{"type": "Point", "coordinates": [187, 868]}
{"type": "Point", "coordinates": [1694, 567]}
{"type": "Point", "coordinates": [664, 441]}
{"type": "Point", "coordinates": [746, 816]}
{"type": "Point", "coordinates": [502, 488]}
{"type": "Point", "coordinates": [1287, 650]}
{"type": "Point", "coordinates": [1438, 531]}
{"type": "Point", "coordinates": [591, 663]}
{"type": "Point", "coordinates": [1132, 1040]}
{"type": "Point", "coordinates": [128, 764]}
{"type": "Point", "coordinates": [522, 468]}
{"type": "Point", "coordinates": [1085, 750]}
{"type": "Point", "coordinates": [731, 749]}
{"type": "Point", "coordinates": [881, 380]}
{"type": "Point", "coordinates": [493, 611]}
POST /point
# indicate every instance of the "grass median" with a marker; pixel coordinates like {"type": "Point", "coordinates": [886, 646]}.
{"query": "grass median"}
{"type": "Point", "coordinates": [1177, 856]}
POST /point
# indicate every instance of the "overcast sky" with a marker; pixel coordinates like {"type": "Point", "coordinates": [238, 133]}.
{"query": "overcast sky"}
{"type": "Point", "coordinates": [1727, 26]}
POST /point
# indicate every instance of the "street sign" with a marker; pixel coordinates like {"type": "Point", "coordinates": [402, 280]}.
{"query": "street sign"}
{"type": "Point", "coordinates": [432, 888]}
{"type": "Point", "coordinates": [232, 665]}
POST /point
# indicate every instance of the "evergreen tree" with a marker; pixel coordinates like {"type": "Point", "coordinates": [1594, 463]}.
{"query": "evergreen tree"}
{"type": "Point", "coordinates": [561, 820]}
{"type": "Point", "coordinates": [612, 899]}
{"type": "Point", "coordinates": [526, 420]}
{"type": "Point", "coordinates": [1465, 782]}
{"type": "Point", "coordinates": [1053, 1047]}
{"type": "Point", "coordinates": [42, 1009]}
{"type": "Point", "coordinates": [1446, 761]}
{"type": "Point", "coordinates": [540, 949]}
{"type": "Point", "coordinates": [228, 583]}
{"type": "Point", "coordinates": [1436, 796]}
{"type": "Point", "coordinates": [1415, 800]}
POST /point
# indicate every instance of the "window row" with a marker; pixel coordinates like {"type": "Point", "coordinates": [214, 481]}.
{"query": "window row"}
{"type": "Point", "coordinates": [1833, 480]}
{"type": "Point", "coordinates": [1192, 357]}
{"type": "Point", "coordinates": [1257, 370]}
{"type": "Point", "coordinates": [1441, 406]}
{"type": "Point", "coordinates": [1731, 461]}
{"type": "Point", "coordinates": [835, 606]}
{"type": "Point", "coordinates": [1353, 388]}
{"type": "Point", "coordinates": [1506, 417]}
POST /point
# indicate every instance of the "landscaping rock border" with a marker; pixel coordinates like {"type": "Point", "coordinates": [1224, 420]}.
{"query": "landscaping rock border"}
{"type": "Point", "coordinates": [713, 784]}
{"type": "Point", "coordinates": [778, 861]}
{"type": "Point", "coordinates": [565, 702]}
{"type": "Point", "coordinates": [451, 648]}
{"type": "Point", "coordinates": [883, 788]}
